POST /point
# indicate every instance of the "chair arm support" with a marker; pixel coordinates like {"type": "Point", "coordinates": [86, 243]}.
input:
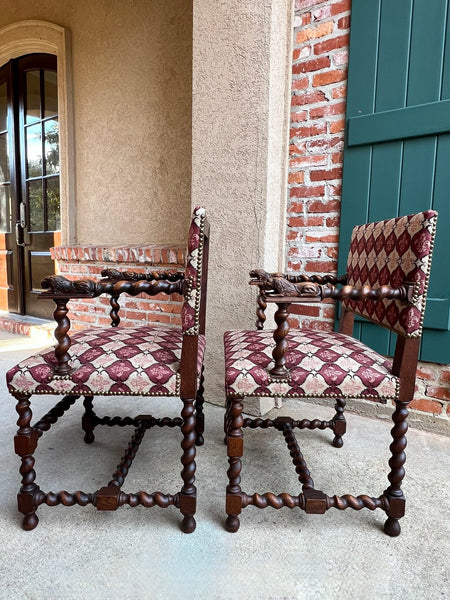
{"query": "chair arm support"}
{"type": "Point", "coordinates": [60, 287]}
{"type": "Point", "coordinates": [285, 291]}
{"type": "Point", "coordinates": [62, 290]}
{"type": "Point", "coordinates": [265, 282]}
{"type": "Point", "coordinates": [115, 275]}
{"type": "Point", "coordinates": [264, 279]}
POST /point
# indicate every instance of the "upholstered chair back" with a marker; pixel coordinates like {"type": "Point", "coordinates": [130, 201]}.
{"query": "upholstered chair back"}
{"type": "Point", "coordinates": [194, 285]}
{"type": "Point", "coordinates": [393, 252]}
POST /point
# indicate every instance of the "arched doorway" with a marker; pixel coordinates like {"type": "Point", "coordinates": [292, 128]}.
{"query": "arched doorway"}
{"type": "Point", "coordinates": [30, 220]}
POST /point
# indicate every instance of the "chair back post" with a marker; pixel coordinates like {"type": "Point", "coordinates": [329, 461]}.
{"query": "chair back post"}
{"type": "Point", "coordinates": [202, 315]}
{"type": "Point", "coordinates": [194, 306]}
{"type": "Point", "coordinates": [188, 367]}
{"type": "Point", "coordinates": [404, 365]}
{"type": "Point", "coordinates": [346, 322]}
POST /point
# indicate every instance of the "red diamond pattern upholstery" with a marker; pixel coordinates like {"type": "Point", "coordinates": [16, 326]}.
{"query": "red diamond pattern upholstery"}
{"type": "Point", "coordinates": [321, 364]}
{"type": "Point", "coordinates": [140, 361]}
{"type": "Point", "coordinates": [391, 253]}
{"type": "Point", "coordinates": [193, 273]}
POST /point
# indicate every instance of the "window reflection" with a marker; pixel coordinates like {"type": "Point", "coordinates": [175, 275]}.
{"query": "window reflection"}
{"type": "Point", "coordinates": [42, 150]}
{"type": "Point", "coordinates": [34, 151]}
{"type": "Point", "coordinates": [3, 107]}
{"type": "Point", "coordinates": [51, 147]}
{"type": "Point", "coordinates": [36, 205]}
{"type": "Point", "coordinates": [5, 209]}
{"type": "Point", "coordinates": [33, 97]}
{"type": "Point", "coordinates": [4, 158]}
{"type": "Point", "coordinates": [53, 212]}
{"type": "Point", "coordinates": [50, 94]}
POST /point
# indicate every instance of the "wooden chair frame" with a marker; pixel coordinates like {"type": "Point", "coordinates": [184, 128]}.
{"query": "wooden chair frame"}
{"type": "Point", "coordinates": [191, 420]}
{"type": "Point", "coordinates": [285, 290]}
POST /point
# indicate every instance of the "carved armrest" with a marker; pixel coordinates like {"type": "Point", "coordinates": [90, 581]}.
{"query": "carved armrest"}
{"type": "Point", "coordinates": [115, 275]}
{"type": "Point", "coordinates": [265, 282]}
{"type": "Point", "coordinates": [60, 287]}
{"type": "Point", "coordinates": [285, 291]}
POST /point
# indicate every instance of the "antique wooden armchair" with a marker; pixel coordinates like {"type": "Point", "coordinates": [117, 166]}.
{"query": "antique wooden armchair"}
{"type": "Point", "coordinates": [149, 360]}
{"type": "Point", "coordinates": [386, 282]}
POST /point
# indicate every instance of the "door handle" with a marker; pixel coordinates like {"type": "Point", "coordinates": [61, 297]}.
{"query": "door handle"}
{"type": "Point", "coordinates": [25, 235]}
{"type": "Point", "coordinates": [21, 228]}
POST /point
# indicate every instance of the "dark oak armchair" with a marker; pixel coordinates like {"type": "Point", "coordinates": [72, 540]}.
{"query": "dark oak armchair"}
{"type": "Point", "coordinates": [149, 360]}
{"type": "Point", "coordinates": [386, 282]}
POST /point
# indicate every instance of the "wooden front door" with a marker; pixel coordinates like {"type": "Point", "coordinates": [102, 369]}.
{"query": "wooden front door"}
{"type": "Point", "coordinates": [29, 186]}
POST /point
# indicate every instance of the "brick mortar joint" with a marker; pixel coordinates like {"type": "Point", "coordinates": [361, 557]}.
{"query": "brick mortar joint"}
{"type": "Point", "coordinates": [149, 254]}
{"type": "Point", "coordinates": [320, 4]}
{"type": "Point", "coordinates": [121, 247]}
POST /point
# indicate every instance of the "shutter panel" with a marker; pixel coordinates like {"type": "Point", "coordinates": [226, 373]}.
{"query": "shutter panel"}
{"type": "Point", "coordinates": [397, 152]}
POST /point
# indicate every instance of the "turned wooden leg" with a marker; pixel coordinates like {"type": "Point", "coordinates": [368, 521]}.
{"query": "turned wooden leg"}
{"type": "Point", "coordinates": [235, 447]}
{"type": "Point", "coordinates": [87, 420]}
{"type": "Point", "coordinates": [394, 493]}
{"type": "Point", "coordinates": [226, 420]}
{"type": "Point", "coordinates": [25, 443]}
{"type": "Point", "coordinates": [188, 495]}
{"type": "Point", "coordinates": [339, 423]}
{"type": "Point", "coordinates": [200, 417]}
{"type": "Point", "coordinates": [281, 344]}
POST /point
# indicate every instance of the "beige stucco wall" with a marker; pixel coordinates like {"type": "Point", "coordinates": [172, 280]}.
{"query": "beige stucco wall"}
{"type": "Point", "coordinates": [147, 73]}
{"type": "Point", "coordinates": [132, 90]}
{"type": "Point", "coordinates": [241, 93]}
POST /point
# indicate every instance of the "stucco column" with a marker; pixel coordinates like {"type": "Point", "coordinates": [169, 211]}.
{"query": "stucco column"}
{"type": "Point", "coordinates": [240, 117]}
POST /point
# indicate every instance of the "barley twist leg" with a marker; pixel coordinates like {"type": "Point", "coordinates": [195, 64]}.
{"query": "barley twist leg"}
{"type": "Point", "coordinates": [188, 495]}
{"type": "Point", "coordinates": [200, 417]}
{"type": "Point", "coordinates": [25, 443]}
{"type": "Point", "coordinates": [394, 492]}
{"type": "Point", "coordinates": [234, 451]}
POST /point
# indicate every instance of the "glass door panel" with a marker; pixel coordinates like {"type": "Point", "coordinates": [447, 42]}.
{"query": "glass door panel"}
{"type": "Point", "coordinates": [3, 107]}
{"type": "Point", "coordinates": [5, 208]}
{"type": "Point", "coordinates": [51, 151]}
{"type": "Point", "coordinates": [40, 179]}
{"type": "Point", "coordinates": [9, 263]}
{"type": "Point", "coordinates": [29, 181]}
{"type": "Point", "coordinates": [53, 204]}
{"type": "Point", "coordinates": [33, 96]}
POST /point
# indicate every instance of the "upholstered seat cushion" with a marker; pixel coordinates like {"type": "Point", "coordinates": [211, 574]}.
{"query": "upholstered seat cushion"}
{"type": "Point", "coordinates": [321, 364]}
{"type": "Point", "coordinates": [140, 361]}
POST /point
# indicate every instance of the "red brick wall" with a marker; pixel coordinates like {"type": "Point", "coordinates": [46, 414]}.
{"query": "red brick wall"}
{"type": "Point", "coordinates": [319, 74]}
{"type": "Point", "coordinates": [80, 262]}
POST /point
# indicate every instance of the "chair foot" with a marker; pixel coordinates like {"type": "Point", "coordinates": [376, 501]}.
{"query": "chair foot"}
{"type": "Point", "coordinates": [188, 524]}
{"type": "Point", "coordinates": [339, 425]}
{"type": "Point", "coordinates": [199, 439]}
{"type": "Point", "coordinates": [30, 522]}
{"type": "Point", "coordinates": [232, 523]}
{"type": "Point", "coordinates": [89, 437]}
{"type": "Point", "coordinates": [392, 527]}
{"type": "Point", "coordinates": [87, 420]}
{"type": "Point", "coordinates": [338, 442]}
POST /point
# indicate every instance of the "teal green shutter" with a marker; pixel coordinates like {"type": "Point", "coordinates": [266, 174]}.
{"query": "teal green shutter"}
{"type": "Point", "coordinates": [397, 152]}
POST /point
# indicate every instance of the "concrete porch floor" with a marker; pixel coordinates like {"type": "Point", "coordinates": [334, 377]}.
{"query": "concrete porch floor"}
{"type": "Point", "coordinates": [80, 553]}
